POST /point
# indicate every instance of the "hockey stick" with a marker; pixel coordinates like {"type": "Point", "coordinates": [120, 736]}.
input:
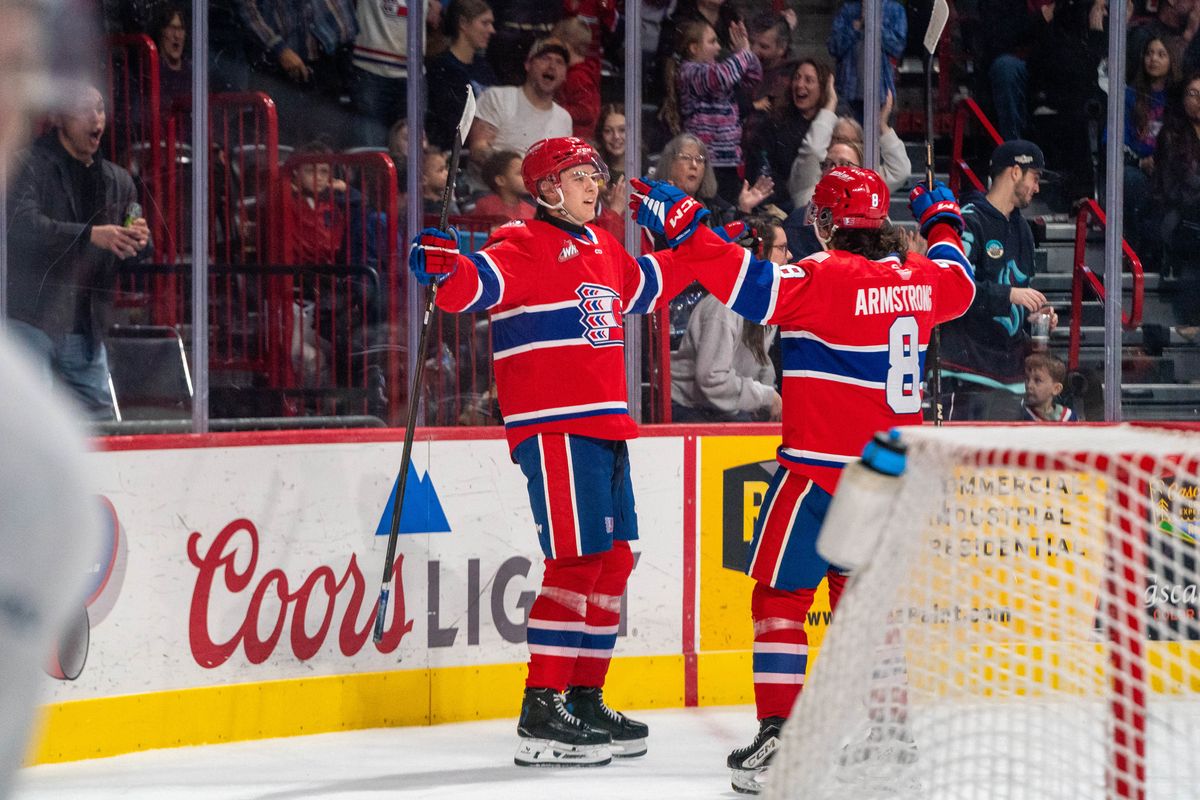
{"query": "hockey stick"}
{"type": "Point", "coordinates": [937, 23]}
{"type": "Point", "coordinates": [385, 589]}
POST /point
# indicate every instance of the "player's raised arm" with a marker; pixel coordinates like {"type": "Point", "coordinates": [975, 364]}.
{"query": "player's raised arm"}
{"type": "Point", "coordinates": [746, 284]}
{"type": "Point", "coordinates": [940, 219]}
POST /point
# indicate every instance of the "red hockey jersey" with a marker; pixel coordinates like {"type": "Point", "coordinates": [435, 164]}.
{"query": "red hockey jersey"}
{"type": "Point", "coordinates": [557, 303]}
{"type": "Point", "coordinates": [853, 335]}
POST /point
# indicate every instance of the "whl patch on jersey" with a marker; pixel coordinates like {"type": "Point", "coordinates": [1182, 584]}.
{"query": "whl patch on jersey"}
{"type": "Point", "coordinates": [569, 251]}
{"type": "Point", "coordinates": [422, 511]}
{"type": "Point", "coordinates": [600, 315]}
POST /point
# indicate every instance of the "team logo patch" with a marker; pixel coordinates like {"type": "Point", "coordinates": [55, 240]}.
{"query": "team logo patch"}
{"type": "Point", "coordinates": [994, 249]}
{"type": "Point", "coordinates": [569, 251]}
{"type": "Point", "coordinates": [600, 314]}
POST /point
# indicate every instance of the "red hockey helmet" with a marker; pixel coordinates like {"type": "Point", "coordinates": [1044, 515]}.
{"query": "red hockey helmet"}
{"type": "Point", "coordinates": [850, 197]}
{"type": "Point", "coordinates": [546, 159]}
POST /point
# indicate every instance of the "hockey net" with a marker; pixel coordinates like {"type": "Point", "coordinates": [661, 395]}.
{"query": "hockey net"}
{"type": "Point", "coordinates": [1027, 628]}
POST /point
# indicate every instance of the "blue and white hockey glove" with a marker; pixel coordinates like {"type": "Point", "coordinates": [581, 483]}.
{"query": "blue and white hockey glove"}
{"type": "Point", "coordinates": [931, 206]}
{"type": "Point", "coordinates": [434, 255]}
{"type": "Point", "coordinates": [662, 208]}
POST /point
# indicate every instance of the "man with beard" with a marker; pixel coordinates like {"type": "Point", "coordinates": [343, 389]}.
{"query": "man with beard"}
{"type": "Point", "coordinates": [514, 117]}
{"type": "Point", "coordinates": [983, 351]}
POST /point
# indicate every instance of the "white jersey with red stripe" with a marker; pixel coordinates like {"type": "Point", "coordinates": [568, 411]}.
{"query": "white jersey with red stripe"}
{"type": "Point", "coordinates": [853, 336]}
{"type": "Point", "coordinates": [557, 302]}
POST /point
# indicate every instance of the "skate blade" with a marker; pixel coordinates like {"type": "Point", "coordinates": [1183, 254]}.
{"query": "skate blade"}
{"type": "Point", "coordinates": [628, 748]}
{"type": "Point", "coordinates": [549, 753]}
{"type": "Point", "coordinates": [749, 781]}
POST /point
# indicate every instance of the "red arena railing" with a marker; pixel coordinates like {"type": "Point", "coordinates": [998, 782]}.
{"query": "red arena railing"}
{"type": "Point", "coordinates": [966, 111]}
{"type": "Point", "coordinates": [1083, 274]}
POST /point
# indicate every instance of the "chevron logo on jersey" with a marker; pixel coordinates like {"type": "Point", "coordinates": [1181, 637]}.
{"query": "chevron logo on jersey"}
{"type": "Point", "coordinates": [601, 317]}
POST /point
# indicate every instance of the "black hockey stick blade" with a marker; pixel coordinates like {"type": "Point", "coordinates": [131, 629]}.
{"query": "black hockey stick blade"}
{"type": "Point", "coordinates": [414, 392]}
{"type": "Point", "coordinates": [937, 23]}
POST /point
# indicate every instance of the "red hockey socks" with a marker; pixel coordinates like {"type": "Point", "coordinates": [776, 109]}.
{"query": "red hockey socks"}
{"type": "Point", "coordinates": [556, 621]}
{"type": "Point", "coordinates": [780, 647]}
{"type": "Point", "coordinates": [603, 617]}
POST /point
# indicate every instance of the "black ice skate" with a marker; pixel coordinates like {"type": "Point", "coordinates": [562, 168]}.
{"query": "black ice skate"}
{"type": "Point", "coordinates": [628, 735]}
{"type": "Point", "coordinates": [551, 736]}
{"type": "Point", "coordinates": [749, 764]}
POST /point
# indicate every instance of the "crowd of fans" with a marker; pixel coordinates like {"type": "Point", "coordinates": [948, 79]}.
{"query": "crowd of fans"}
{"type": "Point", "coordinates": [734, 115]}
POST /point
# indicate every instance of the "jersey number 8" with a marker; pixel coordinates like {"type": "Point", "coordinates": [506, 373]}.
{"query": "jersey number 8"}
{"type": "Point", "coordinates": [904, 366]}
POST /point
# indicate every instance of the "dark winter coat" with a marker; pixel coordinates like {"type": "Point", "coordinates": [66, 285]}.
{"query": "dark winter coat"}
{"type": "Point", "coordinates": [58, 280]}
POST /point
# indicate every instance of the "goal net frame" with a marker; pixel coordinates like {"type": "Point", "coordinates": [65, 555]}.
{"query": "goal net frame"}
{"type": "Point", "coordinates": [911, 663]}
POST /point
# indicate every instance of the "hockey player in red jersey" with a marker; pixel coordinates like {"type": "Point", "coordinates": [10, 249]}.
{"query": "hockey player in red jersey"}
{"type": "Point", "coordinates": [855, 321]}
{"type": "Point", "coordinates": [557, 289]}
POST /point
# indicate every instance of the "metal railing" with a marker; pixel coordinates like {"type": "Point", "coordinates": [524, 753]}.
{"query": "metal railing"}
{"type": "Point", "coordinates": [966, 110]}
{"type": "Point", "coordinates": [1081, 274]}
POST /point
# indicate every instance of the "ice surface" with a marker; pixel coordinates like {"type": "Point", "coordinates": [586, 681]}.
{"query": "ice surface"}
{"type": "Point", "coordinates": [467, 760]}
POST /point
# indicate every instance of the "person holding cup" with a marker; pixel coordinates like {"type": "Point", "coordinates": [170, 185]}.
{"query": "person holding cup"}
{"type": "Point", "coordinates": [983, 352]}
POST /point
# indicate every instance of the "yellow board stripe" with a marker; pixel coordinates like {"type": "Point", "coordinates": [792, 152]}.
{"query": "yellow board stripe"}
{"type": "Point", "coordinates": [113, 725]}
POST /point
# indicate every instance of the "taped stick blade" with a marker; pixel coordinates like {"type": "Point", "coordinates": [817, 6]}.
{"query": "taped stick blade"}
{"type": "Point", "coordinates": [937, 23]}
{"type": "Point", "coordinates": [468, 115]}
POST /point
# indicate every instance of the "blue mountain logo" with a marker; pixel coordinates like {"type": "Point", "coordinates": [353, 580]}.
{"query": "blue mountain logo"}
{"type": "Point", "coordinates": [422, 511]}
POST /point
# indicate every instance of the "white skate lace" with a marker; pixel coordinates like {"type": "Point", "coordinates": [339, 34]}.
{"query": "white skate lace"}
{"type": "Point", "coordinates": [564, 713]}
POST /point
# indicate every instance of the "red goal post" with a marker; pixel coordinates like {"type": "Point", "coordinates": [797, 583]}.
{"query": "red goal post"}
{"type": "Point", "coordinates": [1027, 627]}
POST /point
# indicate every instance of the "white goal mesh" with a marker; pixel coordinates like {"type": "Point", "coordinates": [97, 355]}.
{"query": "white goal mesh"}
{"type": "Point", "coordinates": [1027, 628]}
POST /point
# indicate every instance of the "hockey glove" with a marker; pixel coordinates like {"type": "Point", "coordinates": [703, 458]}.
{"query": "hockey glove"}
{"type": "Point", "coordinates": [932, 206]}
{"type": "Point", "coordinates": [662, 208]}
{"type": "Point", "coordinates": [434, 255]}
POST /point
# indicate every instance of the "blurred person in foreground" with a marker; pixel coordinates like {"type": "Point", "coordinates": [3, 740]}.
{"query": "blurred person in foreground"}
{"type": "Point", "coordinates": [49, 531]}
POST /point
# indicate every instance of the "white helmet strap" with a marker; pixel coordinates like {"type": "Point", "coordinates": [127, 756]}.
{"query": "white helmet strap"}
{"type": "Point", "coordinates": [560, 206]}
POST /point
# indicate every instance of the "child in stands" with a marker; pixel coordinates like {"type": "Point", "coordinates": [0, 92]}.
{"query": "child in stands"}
{"type": "Point", "coordinates": [1045, 376]}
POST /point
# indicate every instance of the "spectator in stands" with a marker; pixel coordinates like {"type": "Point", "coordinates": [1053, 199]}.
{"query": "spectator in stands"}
{"type": "Point", "coordinates": [600, 17]}
{"type": "Point", "coordinates": [302, 61]}
{"type": "Point", "coordinates": [1175, 23]}
{"type": "Point", "coordinates": [1045, 376]}
{"type": "Point", "coordinates": [519, 24]}
{"type": "Point", "coordinates": [702, 96]}
{"type": "Point", "coordinates": [1177, 193]}
{"type": "Point", "coordinates": [611, 143]}
{"type": "Point", "coordinates": [1145, 105]}
{"type": "Point", "coordinates": [773, 147]}
{"type": "Point", "coordinates": [379, 82]}
{"type": "Point", "coordinates": [802, 239]}
{"type": "Point", "coordinates": [720, 14]}
{"type": "Point", "coordinates": [721, 371]}
{"type": "Point", "coordinates": [1007, 30]}
{"type": "Point", "coordinates": [317, 221]}
{"type": "Point", "coordinates": [435, 172]}
{"type": "Point", "coordinates": [470, 25]}
{"type": "Point", "coordinates": [895, 167]}
{"type": "Point", "coordinates": [610, 137]}
{"type": "Point", "coordinates": [397, 145]}
{"type": "Point", "coordinates": [580, 92]}
{"type": "Point", "coordinates": [655, 17]}
{"type": "Point", "coordinates": [684, 163]}
{"type": "Point", "coordinates": [983, 352]}
{"type": "Point", "coordinates": [73, 218]}
{"type": "Point", "coordinates": [771, 42]}
{"type": "Point", "coordinates": [846, 47]}
{"type": "Point", "coordinates": [174, 61]}
{"type": "Point", "coordinates": [1063, 62]}
{"type": "Point", "coordinates": [502, 174]}
{"type": "Point", "coordinates": [514, 117]}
